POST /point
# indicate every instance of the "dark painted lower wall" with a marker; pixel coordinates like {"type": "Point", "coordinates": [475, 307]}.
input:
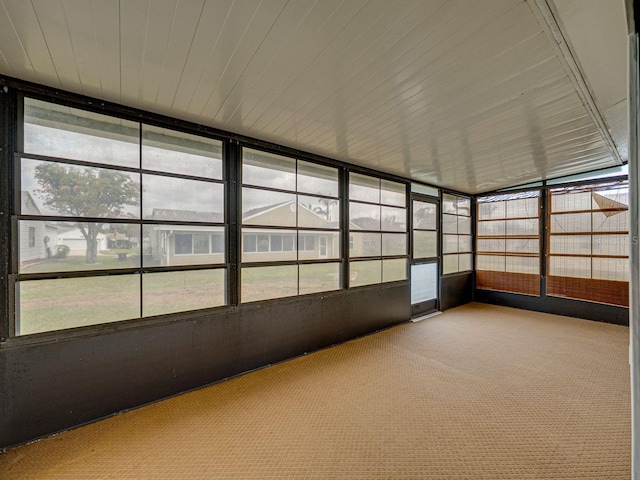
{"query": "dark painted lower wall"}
{"type": "Point", "coordinates": [53, 386]}
{"type": "Point", "coordinates": [456, 290]}
{"type": "Point", "coordinates": [559, 306]}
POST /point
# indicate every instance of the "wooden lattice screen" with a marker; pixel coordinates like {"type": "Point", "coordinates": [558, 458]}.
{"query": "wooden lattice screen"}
{"type": "Point", "coordinates": [508, 243]}
{"type": "Point", "coordinates": [588, 243]}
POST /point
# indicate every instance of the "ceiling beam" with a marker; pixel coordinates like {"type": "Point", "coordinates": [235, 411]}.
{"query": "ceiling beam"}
{"type": "Point", "coordinates": [547, 20]}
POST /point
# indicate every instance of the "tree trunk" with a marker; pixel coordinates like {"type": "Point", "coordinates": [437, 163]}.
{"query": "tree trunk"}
{"type": "Point", "coordinates": [90, 233]}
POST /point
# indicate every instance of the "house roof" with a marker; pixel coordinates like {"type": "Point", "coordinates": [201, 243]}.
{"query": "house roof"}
{"type": "Point", "coordinates": [28, 205]}
{"type": "Point", "coordinates": [186, 215]}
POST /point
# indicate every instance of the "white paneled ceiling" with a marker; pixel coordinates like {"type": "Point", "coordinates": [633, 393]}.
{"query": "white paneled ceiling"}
{"type": "Point", "coordinates": [471, 95]}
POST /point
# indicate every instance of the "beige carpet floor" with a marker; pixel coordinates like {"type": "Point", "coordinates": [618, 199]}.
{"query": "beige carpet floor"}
{"type": "Point", "coordinates": [479, 392]}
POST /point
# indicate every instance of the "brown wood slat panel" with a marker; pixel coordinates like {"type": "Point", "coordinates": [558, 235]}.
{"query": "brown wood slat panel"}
{"type": "Point", "coordinates": [612, 292]}
{"type": "Point", "coordinates": [528, 284]}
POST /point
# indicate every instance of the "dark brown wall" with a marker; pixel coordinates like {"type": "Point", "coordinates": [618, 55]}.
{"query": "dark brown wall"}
{"type": "Point", "coordinates": [53, 386]}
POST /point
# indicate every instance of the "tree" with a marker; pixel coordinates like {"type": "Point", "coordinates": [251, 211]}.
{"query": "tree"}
{"type": "Point", "coordinates": [326, 211]}
{"type": "Point", "coordinates": [86, 192]}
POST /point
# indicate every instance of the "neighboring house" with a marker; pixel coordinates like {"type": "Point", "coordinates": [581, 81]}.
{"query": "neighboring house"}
{"type": "Point", "coordinates": [74, 239]}
{"type": "Point", "coordinates": [38, 239]}
{"type": "Point", "coordinates": [185, 244]}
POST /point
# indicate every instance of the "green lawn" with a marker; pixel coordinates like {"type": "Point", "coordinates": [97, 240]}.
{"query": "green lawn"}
{"type": "Point", "coordinates": [56, 304]}
{"type": "Point", "coordinates": [106, 260]}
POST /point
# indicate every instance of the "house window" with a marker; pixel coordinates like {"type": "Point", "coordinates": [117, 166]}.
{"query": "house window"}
{"type": "Point", "coordinates": [378, 230]}
{"type": "Point", "coordinates": [183, 244]}
{"type": "Point", "coordinates": [108, 192]}
{"type": "Point", "coordinates": [200, 243]}
{"type": "Point", "coordinates": [284, 199]}
{"type": "Point", "coordinates": [217, 243]}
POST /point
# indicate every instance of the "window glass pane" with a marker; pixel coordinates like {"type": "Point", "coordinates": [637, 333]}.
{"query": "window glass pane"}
{"type": "Point", "coordinates": [394, 243]}
{"type": "Point", "coordinates": [424, 190]}
{"type": "Point", "coordinates": [571, 201]}
{"type": "Point", "coordinates": [611, 269]}
{"type": "Point", "coordinates": [523, 227]}
{"type": "Point", "coordinates": [491, 210]}
{"type": "Point", "coordinates": [529, 265]}
{"type": "Point", "coordinates": [365, 272]}
{"type": "Point", "coordinates": [394, 219]}
{"type": "Point", "coordinates": [317, 179]}
{"type": "Point", "coordinates": [496, 227]}
{"type": "Point", "coordinates": [70, 246]}
{"type": "Point", "coordinates": [262, 245]}
{"type": "Point", "coordinates": [394, 269]}
{"type": "Point", "coordinates": [319, 277]}
{"type": "Point", "coordinates": [449, 243]}
{"type": "Point", "coordinates": [263, 283]}
{"type": "Point", "coordinates": [318, 245]}
{"type": "Point", "coordinates": [366, 244]}
{"type": "Point", "coordinates": [495, 263]}
{"type": "Point", "coordinates": [464, 243]}
{"type": "Point", "coordinates": [71, 190]}
{"type": "Point", "coordinates": [65, 132]}
{"type": "Point", "coordinates": [425, 244]}
{"type": "Point", "coordinates": [165, 245]}
{"type": "Point", "coordinates": [316, 212]}
{"type": "Point", "coordinates": [169, 292]}
{"type": "Point", "coordinates": [46, 305]}
{"type": "Point", "coordinates": [200, 243]}
{"type": "Point", "coordinates": [424, 282]}
{"type": "Point", "coordinates": [571, 222]}
{"type": "Point", "coordinates": [610, 221]}
{"type": "Point", "coordinates": [579, 267]}
{"type": "Point", "coordinates": [464, 206]}
{"type": "Point", "coordinates": [268, 170]}
{"type": "Point", "coordinates": [364, 188]}
{"type": "Point", "coordinates": [523, 208]}
{"type": "Point", "coordinates": [261, 207]}
{"type": "Point", "coordinates": [364, 216]}
{"type": "Point", "coordinates": [523, 245]}
{"type": "Point", "coordinates": [183, 244]}
{"type": "Point", "coordinates": [424, 215]}
{"type": "Point", "coordinates": [449, 224]}
{"type": "Point", "coordinates": [449, 204]}
{"type": "Point", "coordinates": [178, 199]}
{"type": "Point", "coordinates": [491, 245]}
{"type": "Point", "coordinates": [576, 244]}
{"type": "Point", "coordinates": [611, 245]}
{"type": "Point", "coordinates": [464, 225]}
{"type": "Point", "coordinates": [465, 262]}
{"type": "Point", "coordinates": [177, 152]}
{"type": "Point", "coordinates": [449, 264]}
{"type": "Point", "coordinates": [393, 193]}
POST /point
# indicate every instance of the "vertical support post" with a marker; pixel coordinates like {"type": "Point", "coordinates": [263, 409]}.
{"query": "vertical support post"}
{"type": "Point", "coordinates": [233, 172]}
{"type": "Point", "coordinates": [343, 192]}
{"type": "Point", "coordinates": [7, 106]}
{"type": "Point", "coordinates": [634, 233]}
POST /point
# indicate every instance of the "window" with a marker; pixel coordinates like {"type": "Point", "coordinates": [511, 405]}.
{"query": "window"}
{"type": "Point", "coordinates": [377, 230]}
{"type": "Point", "coordinates": [588, 243]}
{"type": "Point", "coordinates": [508, 243]}
{"type": "Point", "coordinates": [137, 202]}
{"type": "Point", "coordinates": [290, 227]}
{"type": "Point", "coordinates": [32, 237]}
{"type": "Point", "coordinates": [457, 247]}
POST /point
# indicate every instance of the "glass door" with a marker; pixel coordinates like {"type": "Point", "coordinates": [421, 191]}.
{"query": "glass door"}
{"type": "Point", "coordinates": [424, 260]}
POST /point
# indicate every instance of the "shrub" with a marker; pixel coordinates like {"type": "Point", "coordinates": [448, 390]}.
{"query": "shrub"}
{"type": "Point", "coordinates": [62, 251]}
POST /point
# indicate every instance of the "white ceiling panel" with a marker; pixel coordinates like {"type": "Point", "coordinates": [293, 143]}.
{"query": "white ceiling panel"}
{"type": "Point", "coordinates": [468, 95]}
